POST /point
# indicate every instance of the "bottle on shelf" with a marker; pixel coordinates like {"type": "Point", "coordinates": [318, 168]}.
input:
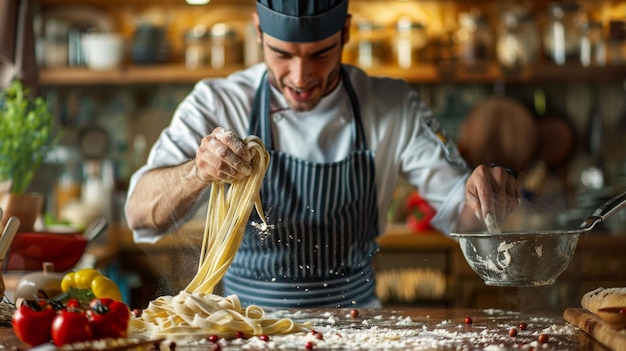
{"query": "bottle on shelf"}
{"type": "Point", "coordinates": [409, 43]}
{"type": "Point", "coordinates": [475, 41]}
{"type": "Point", "coordinates": [561, 35]}
{"type": "Point", "coordinates": [592, 44]}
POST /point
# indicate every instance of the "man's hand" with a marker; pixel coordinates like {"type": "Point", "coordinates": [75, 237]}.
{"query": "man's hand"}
{"type": "Point", "coordinates": [222, 156]}
{"type": "Point", "coordinates": [492, 190]}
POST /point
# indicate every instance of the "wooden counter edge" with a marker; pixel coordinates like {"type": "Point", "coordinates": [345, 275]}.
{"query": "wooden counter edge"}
{"type": "Point", "coordinates": [400, 237]}
{"type": "Point", "coordinates": [396, 237]}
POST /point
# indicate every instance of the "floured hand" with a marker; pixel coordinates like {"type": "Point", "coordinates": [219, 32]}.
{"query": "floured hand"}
{"type": "Point", "coordinates": [492, 194]}
{"type": "Point", "coordinates": [222, 156]}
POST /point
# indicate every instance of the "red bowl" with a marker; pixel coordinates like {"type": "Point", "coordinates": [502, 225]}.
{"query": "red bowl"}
{"type": "Point", "coordinates": [29, 251]}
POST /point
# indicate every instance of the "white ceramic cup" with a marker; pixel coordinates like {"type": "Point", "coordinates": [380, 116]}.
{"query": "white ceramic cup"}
{"type": "Point", "coordinates": [103, 50]}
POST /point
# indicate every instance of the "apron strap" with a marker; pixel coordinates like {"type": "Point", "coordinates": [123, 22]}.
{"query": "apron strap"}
{"type": "Point", "coordinates": [261, 103]}
{"type": "Point", "coordinates": [360, 142]}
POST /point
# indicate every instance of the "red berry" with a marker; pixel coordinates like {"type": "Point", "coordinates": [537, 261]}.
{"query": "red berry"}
{"type": "Point", "coordinates": [308, 345]}
{"type": "Point", "coordinates": [513, 332]}
{"type": "Point", "coordinates": [137, 312]}
{"type": "Point", "coordinates": [216, 347]}
{"type": "Point", "coordinates": [319, 336]}
{"type": "Point", "coordinates": [264, 337]}
{"type": "Point", "coordinates": [214, 338]}
{"type": "Point", "coordinates": [523, 326]}
{"type": "Point", "coordinates": [468, 320]}
{"type": "Point", "coordinates": [239, 335]}
{"type": "Point", "coordinates": [354, 313]}
{"type": "Point", "coordinates": [542, 339]}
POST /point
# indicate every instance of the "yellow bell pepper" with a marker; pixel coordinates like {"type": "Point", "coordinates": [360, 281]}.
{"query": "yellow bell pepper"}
{"type": "Point", "coordinates": [102, 286]}
{"type": "Point", "coordinates": [89, 281]}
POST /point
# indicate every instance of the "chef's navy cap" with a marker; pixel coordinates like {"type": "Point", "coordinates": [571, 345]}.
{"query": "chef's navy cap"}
{"type": "Point", "coordinates": [302, 20]}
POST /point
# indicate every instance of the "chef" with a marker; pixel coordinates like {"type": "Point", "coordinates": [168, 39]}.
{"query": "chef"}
{"type": "Point", "coordinates": [338, 141]}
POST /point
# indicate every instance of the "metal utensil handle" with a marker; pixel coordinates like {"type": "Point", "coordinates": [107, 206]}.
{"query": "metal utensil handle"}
{"type": "Point", "coordinates": [609, 208]}
{"type": "Point", "coordinates": [95, 228]}
{"type": "Point", "coordinates": [7, 235]}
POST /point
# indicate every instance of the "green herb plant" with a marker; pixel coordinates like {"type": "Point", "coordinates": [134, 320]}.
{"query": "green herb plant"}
{"type": "Point", "coordinates": [27, 134]}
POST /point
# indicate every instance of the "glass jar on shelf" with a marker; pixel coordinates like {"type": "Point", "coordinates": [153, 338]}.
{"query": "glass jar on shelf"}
{"type": "Point", "coordinates": [67, 187]}
{"type": "Point", "coordinates": [475, 41]}
{"type": "Point", "coordinates": [410, 43]}
{"type": "Point", "coordinates": [226, 46]}
{"type": "Point", "coordinates": [372, 49]}
{"type": "Point", "coordinates": [197, 44]}
{"type": "Point", "coordinates": [561, 35]}
{"type": "Point", "coordinates": [56, 43]}
{"type": "Point", "coordinates": [517, 41]}
{"type": "Point", "coordinates": [592, 44]}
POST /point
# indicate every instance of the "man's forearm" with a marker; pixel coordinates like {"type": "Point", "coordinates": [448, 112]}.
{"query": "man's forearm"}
{"type": "Point", "coordinates": [163, 196]}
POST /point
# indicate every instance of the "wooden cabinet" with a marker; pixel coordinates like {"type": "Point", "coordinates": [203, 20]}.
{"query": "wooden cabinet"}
{"type": "Point", "coordinates": [598, 262]}
{"type": "Point", "coordinates": [415, 268]}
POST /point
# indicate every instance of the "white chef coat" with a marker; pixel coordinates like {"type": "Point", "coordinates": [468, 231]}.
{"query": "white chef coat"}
{"type": "Point", "coordinates": [399, 128]}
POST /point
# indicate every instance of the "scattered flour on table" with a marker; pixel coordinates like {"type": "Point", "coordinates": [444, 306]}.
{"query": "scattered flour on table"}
{"type": "Point", "coordinates": [338, 331]}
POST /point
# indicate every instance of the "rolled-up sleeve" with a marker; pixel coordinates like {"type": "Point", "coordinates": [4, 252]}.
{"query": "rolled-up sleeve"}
{"type": "Point", "coordinates": [212, 103]}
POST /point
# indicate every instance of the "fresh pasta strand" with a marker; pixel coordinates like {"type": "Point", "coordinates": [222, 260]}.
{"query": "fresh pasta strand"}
{"type": "Point", "coordinates": [226, 222]}
{"type": "Point", "coordinates": [192, 317]}
{"type": "Point", "coordinates": [196, 313]}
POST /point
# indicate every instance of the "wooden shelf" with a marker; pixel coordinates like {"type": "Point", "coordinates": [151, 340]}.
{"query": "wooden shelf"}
{"type": "Point", "coordinates": [398, 236]}
{"type": "Point", "coordinates": [494, 73]}
{"type": "Point", "coordinates": [170, 73]}
{"type": "Point", "coordinates": [140, 2]}
{"type": "Point", "coordinates": [177, 73]}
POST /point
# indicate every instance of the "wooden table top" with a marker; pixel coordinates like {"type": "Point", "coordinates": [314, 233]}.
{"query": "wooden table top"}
{"type": "Point", "coordinates": [408, 329]}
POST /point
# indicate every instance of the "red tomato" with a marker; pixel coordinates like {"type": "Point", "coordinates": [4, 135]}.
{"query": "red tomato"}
{"type": "Point", "coordinates": [69, 327]}
{"type": "Point", "coordinates": [32, 323]}
{"type": "Point", "coordinates": [73, 304]}
{"type": "Point", "coordinates": [108, 318]}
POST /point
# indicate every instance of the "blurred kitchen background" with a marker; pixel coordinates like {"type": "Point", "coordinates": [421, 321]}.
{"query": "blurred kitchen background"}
{"type": "Point", "coordinates": [537, 84]}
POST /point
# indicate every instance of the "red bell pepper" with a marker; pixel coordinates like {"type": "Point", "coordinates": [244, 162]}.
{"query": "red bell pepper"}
{"type": "Point", "coordinates": [109, 318]}
{"type": "Point", "coordinates": [420, 213]}
{"type": "Point", "coordinates": [32, 322]}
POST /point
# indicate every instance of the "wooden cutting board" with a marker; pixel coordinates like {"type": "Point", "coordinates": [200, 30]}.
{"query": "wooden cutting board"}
{"type": "Point", "coordinates": [596, 328]}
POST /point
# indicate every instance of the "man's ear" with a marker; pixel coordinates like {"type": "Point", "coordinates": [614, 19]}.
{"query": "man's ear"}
{"type": "Point", "coordinates": [346, 29]}
{"type": "Point", "coordinates": [257, 26]}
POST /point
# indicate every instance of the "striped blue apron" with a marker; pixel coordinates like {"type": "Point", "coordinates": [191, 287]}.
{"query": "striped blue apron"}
{"type": "Point", "coordinates": [325, 222]}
